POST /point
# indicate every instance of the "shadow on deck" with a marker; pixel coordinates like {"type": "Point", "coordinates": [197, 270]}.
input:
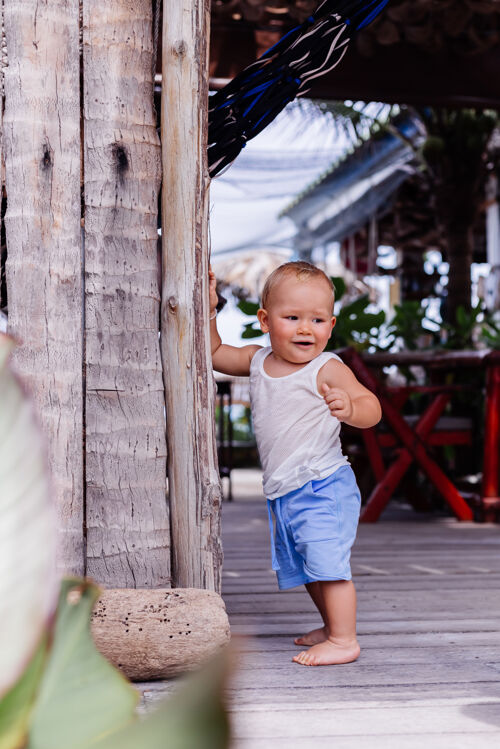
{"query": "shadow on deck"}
{"type": "Point", "coordinates": [428, 624]}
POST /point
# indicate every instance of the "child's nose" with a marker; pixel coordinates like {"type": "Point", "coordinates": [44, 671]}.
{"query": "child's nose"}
{"type": "Point", "coordinates": [304, 327]}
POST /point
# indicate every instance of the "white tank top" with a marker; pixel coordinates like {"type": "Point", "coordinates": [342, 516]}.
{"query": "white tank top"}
{"type": "Point", "coordinates": [297, 437]}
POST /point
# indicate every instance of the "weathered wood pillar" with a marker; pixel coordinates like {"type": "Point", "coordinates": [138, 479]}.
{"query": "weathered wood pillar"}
{"type": "Point", "coordinates": [194, 487]}
{"type": "Point", "coordinates": [42, 160]}
{"type": "Point", "coordinates": [2, 96]}
{"type": "Point", "coordinates": [128, 535]}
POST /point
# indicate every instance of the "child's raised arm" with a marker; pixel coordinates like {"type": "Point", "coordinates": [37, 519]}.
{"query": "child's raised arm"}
{"type": "Point", "coordinates": [232, 360]}
{"type": "Point", "coordinates": [346, 397]}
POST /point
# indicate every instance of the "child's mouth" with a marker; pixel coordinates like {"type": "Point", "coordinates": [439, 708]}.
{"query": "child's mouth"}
{"type": "Point", "coordinates": [303, 344]}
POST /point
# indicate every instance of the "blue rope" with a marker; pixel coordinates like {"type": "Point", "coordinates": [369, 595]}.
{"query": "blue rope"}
{"type": "Point", "coordinates": [253, 99]}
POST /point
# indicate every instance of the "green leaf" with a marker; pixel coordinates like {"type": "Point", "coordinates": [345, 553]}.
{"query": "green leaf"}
{"type": "Point", "coordinates": [194, 718]}
{"type": "Point", "coordinates": [248, 308]}
{"type": "Point", "coordinates": [16, 705]}
{"type": "Point", "coordinates": [28, 580]}
{"type": "Point", "coordinates": [82, 697]}
{"type": "Point", "coordinates": [462, 318]}
{"type": "Point", "coordinates": [250, 331]}
{"type": "Point", "coordinates": [491, 337]}
{"type": "Point", "coordinates": [340, 287]}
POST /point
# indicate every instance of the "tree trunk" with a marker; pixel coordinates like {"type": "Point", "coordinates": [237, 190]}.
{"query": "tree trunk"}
{"type": "Point", "coordinates": [128, 536]}
{"type": "Point", "coordinates": [194, 486]}
{"type": "Point", "coordinates": [460, 245]}
{"type": "Point", "coordinates": [42, 159]}
{"type": "Point", "coordinates": [3, 62]}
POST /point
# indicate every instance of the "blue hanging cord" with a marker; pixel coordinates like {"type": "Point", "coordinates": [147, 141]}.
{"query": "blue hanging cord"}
{"type": "Point", "coordinates": [369, 18]}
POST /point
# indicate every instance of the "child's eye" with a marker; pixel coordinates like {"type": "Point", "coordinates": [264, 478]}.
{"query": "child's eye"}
{"type": "Point", "coordinates": [291, 317]}
{"type": "Point", "coordinates": [318, 319]}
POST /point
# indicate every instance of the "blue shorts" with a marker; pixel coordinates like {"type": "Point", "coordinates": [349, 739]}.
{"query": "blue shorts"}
{"type": "Point", "coordinates": [315, 528]}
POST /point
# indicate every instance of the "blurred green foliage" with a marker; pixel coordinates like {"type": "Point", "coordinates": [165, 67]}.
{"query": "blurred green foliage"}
{"type": "Point", "coordinates": [408, 326]}
{"type": "Point", "coordinates": [71, 697]}
{"type": "Point", "coordinates": [409, 329]}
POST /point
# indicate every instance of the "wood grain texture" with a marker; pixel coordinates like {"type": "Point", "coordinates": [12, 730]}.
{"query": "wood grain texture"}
{"type": "Point", "coordinates": [128, 536]}
{"type": "Point", "coordinates": [429, 670]}
{"type": "Point", "coordinates": [42, 161]}
{"type": "Point", "coordinates": [153, 634]}
{"type": "Point", "coordinates": [194, 487]}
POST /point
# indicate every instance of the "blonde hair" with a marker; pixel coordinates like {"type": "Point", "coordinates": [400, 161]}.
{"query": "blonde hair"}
{"type": "Point", "coordinates": [301, 270]}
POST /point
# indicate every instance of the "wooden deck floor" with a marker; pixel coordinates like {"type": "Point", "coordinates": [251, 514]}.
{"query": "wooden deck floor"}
{"type": "Point", "coordinates": [429, 627]}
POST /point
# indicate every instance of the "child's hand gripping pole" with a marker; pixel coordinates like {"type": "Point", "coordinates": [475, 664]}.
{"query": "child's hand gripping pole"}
{"type": "Point", "coordinates": [217, 301]}
{"type": "Point", "coordinates": [213, 297]}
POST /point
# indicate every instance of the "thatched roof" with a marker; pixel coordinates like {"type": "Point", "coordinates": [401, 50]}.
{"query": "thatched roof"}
{"type": "Point", "coordinates": [466, 26]}
{"type": "Point", "coordinates": [426, 51]}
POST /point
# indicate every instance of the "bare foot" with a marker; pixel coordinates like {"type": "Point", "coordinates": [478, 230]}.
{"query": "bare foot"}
{"type": "Point", "coordinates": [313, 637]}
{"type": "Point", "coordinates": [328, 653]}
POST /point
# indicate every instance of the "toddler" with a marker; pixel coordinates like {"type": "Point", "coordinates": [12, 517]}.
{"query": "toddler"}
{"type": "Point", "coordinates": [299, 396]}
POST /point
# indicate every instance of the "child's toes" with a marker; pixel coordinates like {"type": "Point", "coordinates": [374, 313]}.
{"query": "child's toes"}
{"type": "Point", "coordinates": [309, 660]}
{"type": "Point", "coordinates": [300, 658]}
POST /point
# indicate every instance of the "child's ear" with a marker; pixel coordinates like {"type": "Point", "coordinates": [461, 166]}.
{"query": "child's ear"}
{"type": "Point", "coordinates": [334, 320]}
{"type": "Point", "coordinates": [262, 318]}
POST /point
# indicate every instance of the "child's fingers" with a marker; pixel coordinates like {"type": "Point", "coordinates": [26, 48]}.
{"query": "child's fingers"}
{"type": "Point", "coordinates": [334, 396]}
{"type": "Point", "coordinates": [338, 407]}
{"type": "Point", "coordinates": [333, 391]}
{"type": "Point", "coordinates": [337, 401]}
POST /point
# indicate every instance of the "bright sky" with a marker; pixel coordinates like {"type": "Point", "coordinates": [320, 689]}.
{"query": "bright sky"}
{"type": "Point", "coordinates": [245, 201]}
{"type": "Point", "coordinates": [273, 168]}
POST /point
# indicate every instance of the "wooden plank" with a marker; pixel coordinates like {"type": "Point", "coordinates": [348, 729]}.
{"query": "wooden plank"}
{"type": "Point", "coordinates": [41, 139]}
{"type": "Point", "coordinates": [417, 696]}
{"type": "Point", "coordinates": [345, 721]}
{"type": "Point", "coordinates": [377, 603]}
{"type": "Point", "coordinates": [128, 535]}
{"type": "Point", "coordinates": [385, 741]}
{"type": "Point", "coordinates": [366, 675]}
{"type": "Point", "coordinates": [401, 655]}
{"type": "Point", "coordinates": [266, 586]}
{"type": "Point", "coordinates": [399, 693]}
{"type": "Point", "coordinates": [429, 669]}
{"type": "Point", "coordinates": [423, 611]}
{"type": "Point", "coordinates": [194, 486]}
{"type": "Point", "coordinates": [293, 625]}
{"type": "Point", "coordinates": [406, 642]}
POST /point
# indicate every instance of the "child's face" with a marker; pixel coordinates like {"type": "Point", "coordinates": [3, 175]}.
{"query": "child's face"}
{"type": "Point", "coordinates": [298, 318]}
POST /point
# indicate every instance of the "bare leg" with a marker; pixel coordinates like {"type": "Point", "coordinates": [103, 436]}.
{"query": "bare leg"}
{"type": "Point", "coordinates": [320, 634]}
{"type": "Point", "coordinates": [341, 646]}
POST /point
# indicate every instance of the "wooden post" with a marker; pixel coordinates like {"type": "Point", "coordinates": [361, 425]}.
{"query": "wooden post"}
{"type": "Point", "coordinates": [194, 486]}
{"type": "Point", "coordinates": [128, 535]}
{"type": "Point", "coordinates": [2, 178]}
{"type": "Point", "coordinates": [42, 161]}
{"type": "Point", "coordinates": [493, 243]}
